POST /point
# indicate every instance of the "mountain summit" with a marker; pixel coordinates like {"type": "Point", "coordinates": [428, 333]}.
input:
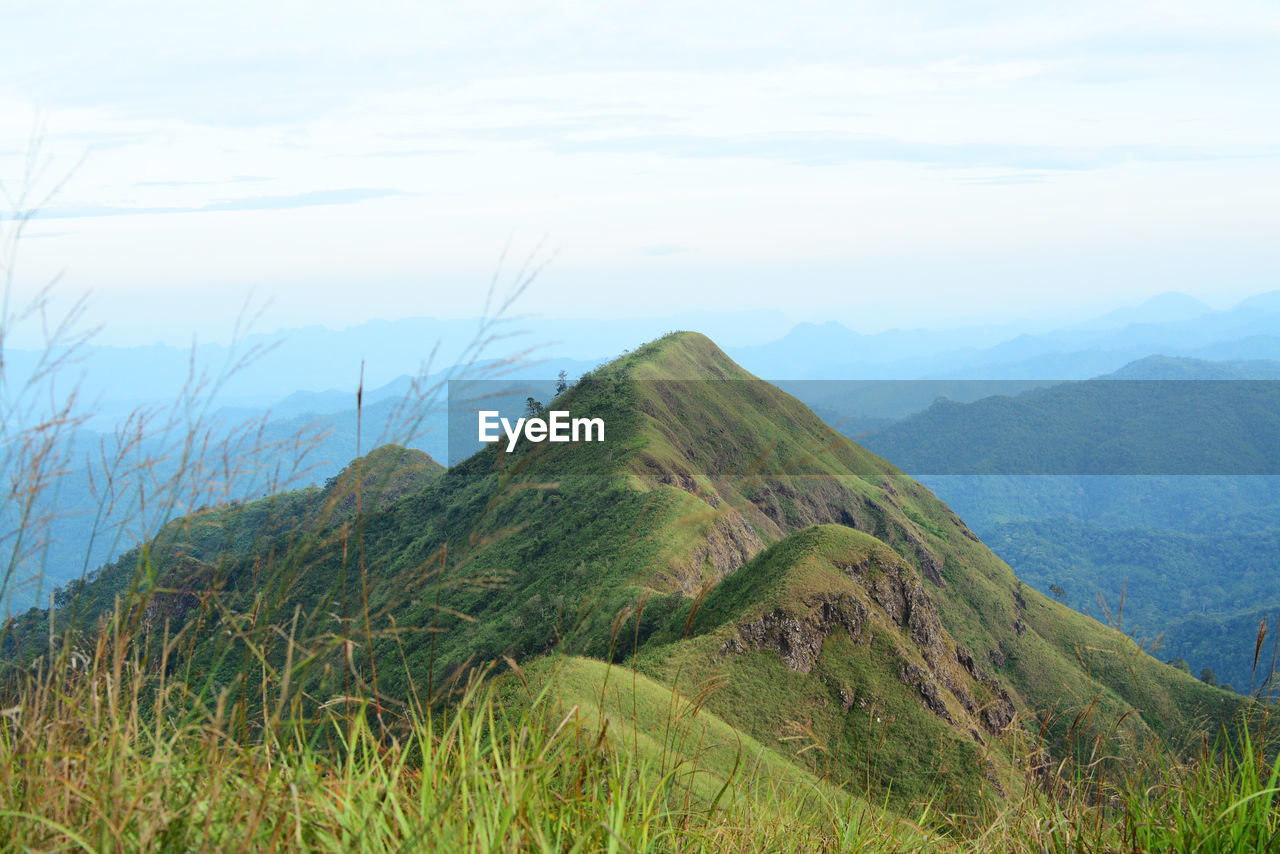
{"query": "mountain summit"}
{"type": "Point", "coordinates": [723, 535]}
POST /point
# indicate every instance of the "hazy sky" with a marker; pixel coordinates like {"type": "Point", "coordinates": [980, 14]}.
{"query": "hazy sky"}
{"type": "Point", "coordinates": [877, 163]}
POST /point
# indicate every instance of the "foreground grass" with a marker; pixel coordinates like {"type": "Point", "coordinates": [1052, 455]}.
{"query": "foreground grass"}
{"type": "Point", "coordinates": [99, 752]}
{"type": "Point", "coordinates": [95, 755]}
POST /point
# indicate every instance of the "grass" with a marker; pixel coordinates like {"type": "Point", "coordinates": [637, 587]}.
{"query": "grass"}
{"type": "Point", "coordinates": [850, 717]}
{"type": "Point", "coordinates": [98, 751]}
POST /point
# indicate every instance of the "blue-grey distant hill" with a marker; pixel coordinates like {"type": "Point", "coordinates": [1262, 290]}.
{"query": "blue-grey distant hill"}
{"type": "Point", "coordinates": [1195, 559]}
{"type": "Point", "coordinates": [275, 365]}
{"type": "Point", "coordinates": [1096, 427]}
{"type": "Point", "coordinates": [1173, 368]}
{"type": "Point", "coordinates": [1171, 324]}
{"type": "Point", "coordinates": [262, 369]}
{"type": "Point", "coordinates": [1164, 308]}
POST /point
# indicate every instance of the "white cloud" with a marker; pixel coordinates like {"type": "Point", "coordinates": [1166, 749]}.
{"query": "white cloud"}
{"type": "Point", "coordinates": [865, 138]}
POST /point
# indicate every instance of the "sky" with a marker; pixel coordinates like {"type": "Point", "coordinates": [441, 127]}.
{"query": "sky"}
{"type": "Point", "coordinates": [881, 164]}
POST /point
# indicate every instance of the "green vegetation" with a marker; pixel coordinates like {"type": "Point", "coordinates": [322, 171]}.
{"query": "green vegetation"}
{"type": "Point", "coordinates": [103, 752]}
{"type": "Point", "coordinates": [1097, 427]}
{"type": "Point", "coordinates": [1202, 595]}
{"type": "Point", "coordinates": [726, 628]}
{"type": "Point", "coordinates": [1192, 556]}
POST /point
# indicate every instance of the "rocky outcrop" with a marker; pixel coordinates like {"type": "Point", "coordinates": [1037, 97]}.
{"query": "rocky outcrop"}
{"type": "Point", "coordinates": [895, 589]}
{"type": "Point", "coordinates": [930, 661]}
{"type": "Point", "coordinates": [686, 482]}
{"type": "Point", "coordinates": [729, 544]}
{"type": "Point", "coordinates": [930, 564]}
{"type": "Point", "coordinates": [168, 608]}
{"type": "Point", "coordinates": [998, 713]}
{"type": "Point", "coordinates": [927, 684]}
{"type": "Point", "coordinates": [799, 639]}
{"type": "Point", "coordinates": [995, 715]}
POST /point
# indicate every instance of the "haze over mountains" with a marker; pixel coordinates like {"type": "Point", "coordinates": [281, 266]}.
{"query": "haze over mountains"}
{"type": "Point", "coordinates": [315, 359]}
{"type": "Point", "coordinates": [263, 370]}
{"type": "Point", "coordinates": [1171, 325]}
{"type": "Point", "coordinates": [1074, 533]}
{"type": "Point", "coordinates": [1157, 486]}
{"type": "Point", "coordinates": [303, 381]}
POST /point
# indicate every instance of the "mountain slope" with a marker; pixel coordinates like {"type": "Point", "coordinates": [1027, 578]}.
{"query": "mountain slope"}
{"type": "Point", "coordinates": [1097, 427]}
{"type": "Point", "coordinates": [831, 636]}
{"type": "Point", "coordinates": [714, 491]}
{"type": "Point", "coordinates": [1162, 494]}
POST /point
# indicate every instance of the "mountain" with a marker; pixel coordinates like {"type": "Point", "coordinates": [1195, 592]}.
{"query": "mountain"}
{"type": "Point", "coordinates": [301, 440]}
{"type": "Point", "coordinates": [1173, 368]}
{"type": "Point", "coordinates": [860, 407]}
{"type": "Point", "coordinates": [830, 350]}
{"type": "Point", "coordinates": [1264, 302]}
{"type": "Point", "coordinates": [1173, 324]}
{"type": "Point", "coordinates": [1106, 495]}
{"type": "Point", "coordinates": [259, 369]}
{"type": "Point", "coordinates": [723, 542]}
{"type": "Point", "coordinates": [1162, 308]}
{"type": "Point", "coordinates": [1097, 427]}
{"type": "Point", "coordinates": [92, 512]}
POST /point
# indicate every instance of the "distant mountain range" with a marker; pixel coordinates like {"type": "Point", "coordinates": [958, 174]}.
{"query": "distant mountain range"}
{"type": "Point", "coordinates": [1172, 325]}
{"type": "Point", "coordinates": [265, 369]}
{"type": "Point", "coordinates": [1096, 427]}
{"type": "Point", "coordinates": [262, 370]}
{"type": "Point", "coordinates": [289, 391]}
{"type": "Point", "coordinates": [1163, 308]}
{"type": "Point", "coordinates": [1081, 495]}
{"type": "Point", "coordinates": [1172, 368]}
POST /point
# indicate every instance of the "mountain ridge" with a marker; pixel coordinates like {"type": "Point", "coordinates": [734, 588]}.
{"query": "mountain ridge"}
{"type": "Point", "coordinates": [711, 477]}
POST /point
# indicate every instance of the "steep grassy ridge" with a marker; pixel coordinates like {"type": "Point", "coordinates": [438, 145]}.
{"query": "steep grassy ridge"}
{"type": "Point", "coordinates": [886, 647]}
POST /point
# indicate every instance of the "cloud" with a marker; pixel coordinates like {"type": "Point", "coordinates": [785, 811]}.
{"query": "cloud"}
{"type": "Point", "coordinates": [313, 198]}
{"type": "Point", "coordinates": [662, 249]}
{"type": "Point", "coordinates": [1014, 178]}
{"type": "Point", "coordinates": [826, 151]}
{"type": "Point", "coordinates": [304, 200]}
{"type": "Point", "coordinates": [239, 179]}
{"type": "Point", "coordinates": [410, 152]}
{"type": "Point", "coordinates": [26, 235]}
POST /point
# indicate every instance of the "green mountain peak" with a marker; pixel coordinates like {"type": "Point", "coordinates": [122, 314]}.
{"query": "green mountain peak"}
{"type": "Point", "coordinates": [721, 534]}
